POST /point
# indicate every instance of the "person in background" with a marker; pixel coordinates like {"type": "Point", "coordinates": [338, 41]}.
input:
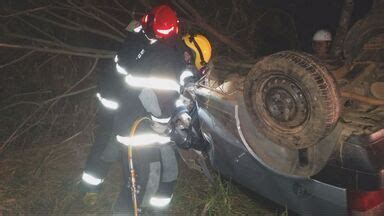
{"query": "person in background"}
{"type": "Point", "coordinates": [321, 45]}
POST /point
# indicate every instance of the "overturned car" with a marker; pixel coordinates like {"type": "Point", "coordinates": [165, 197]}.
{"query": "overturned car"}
{"type": "Point", "coordinates": [301, 134]}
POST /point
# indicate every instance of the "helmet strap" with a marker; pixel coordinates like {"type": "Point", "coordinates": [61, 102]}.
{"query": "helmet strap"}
{"type": "Point", "coordinates": [192, 39]}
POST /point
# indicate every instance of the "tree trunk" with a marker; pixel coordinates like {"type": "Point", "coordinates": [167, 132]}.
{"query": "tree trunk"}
{"type": "Point", "coordinates": [344, 22]}
{"type": "Point", "coordinates": [201, 22]}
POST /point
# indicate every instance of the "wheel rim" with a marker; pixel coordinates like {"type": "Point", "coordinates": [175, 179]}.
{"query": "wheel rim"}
{"type": "Point", "coordinates": [285, 106]}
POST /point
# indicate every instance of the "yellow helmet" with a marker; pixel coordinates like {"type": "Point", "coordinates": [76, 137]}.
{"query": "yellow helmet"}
{"type": "Point", "coordinates": [201, 47]}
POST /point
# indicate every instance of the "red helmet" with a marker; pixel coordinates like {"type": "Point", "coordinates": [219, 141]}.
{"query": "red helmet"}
{"type": "Point", "coordinates": [163, 21]}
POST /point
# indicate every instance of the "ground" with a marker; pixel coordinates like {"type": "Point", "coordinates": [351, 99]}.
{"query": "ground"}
{"type": "Point", "coordinates": [43, 180]}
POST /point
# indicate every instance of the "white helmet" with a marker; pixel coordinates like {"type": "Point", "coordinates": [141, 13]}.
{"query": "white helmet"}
{"type": "Point", "coordinates": [322, 35]}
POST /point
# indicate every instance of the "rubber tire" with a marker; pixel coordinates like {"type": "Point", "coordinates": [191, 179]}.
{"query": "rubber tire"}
{"type": "Point", "coordinates": [360, 33]}
{"type": "Point", "coordinates": [320, 92]}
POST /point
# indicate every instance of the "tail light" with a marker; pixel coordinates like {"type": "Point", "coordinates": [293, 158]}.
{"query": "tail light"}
{"type": "Point", "coordinates": [366, 202]}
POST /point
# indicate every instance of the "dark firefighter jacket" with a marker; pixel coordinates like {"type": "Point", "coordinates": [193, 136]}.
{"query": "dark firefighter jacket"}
{"type": "Point", "coordinates": [139, 57]}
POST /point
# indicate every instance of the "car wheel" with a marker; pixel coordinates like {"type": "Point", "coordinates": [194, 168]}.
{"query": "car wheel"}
{"type": "Point", "coordinates": [292, 99]}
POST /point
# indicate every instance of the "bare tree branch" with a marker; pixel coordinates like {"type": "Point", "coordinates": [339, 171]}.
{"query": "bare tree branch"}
{"type": "Point", "coordinates": [102, 54]}
{"type": "Point", "coordinates": [23, 12]}
{"type": "Point", "coordinates": [52, 102]}
{"type": "Point", "coordinates": [19, 103]}
{"type": "Point", "coordinates": [75, 24]}
{"type": "Point", "coordinates": [38, 40]}
{"type": "Point", "coordinates": [39, 30]}
{"type": "Point", "coordinates": [233, 11]}
{"type": "Point", "coordinates": [178, 6]}
{"type": "Point", "coordinates": [97, 18]}
{"type": "Point", "coordinates": [69, 94]}
{"type": "Point", "coordinates": [124, 8]}
{"type": "Point", "coordinates": [79, 28]}
{"type": "Point", "coordinates": [146, 4]}
{"type": "Point", "coordinates": [110, 17]}
{"type": "Point", "coordinates": [18, 59]}
{"type": "Point", "coordinates": [56, 45]}
{"type": "Point", "coordinates": [204, 25]}
{"type": "Point", "coordinates": [47, 61]}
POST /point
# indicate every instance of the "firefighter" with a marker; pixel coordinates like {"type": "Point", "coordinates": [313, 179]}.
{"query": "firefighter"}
{"type": "Point", "coordinates": [144, 83]}
{"type": "Point", "coordinates": [198, 66]}
{"type": "Point", "coordinates": [201, 51]}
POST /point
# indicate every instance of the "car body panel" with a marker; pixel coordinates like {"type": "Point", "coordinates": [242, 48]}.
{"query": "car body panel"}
{"type": "Point", "coordinates": [322, 194]}
{"type": "Point", "coordinates": [229, 156]}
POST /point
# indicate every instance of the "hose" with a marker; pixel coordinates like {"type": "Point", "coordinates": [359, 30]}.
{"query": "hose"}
{"type": "Point", "coordinates": [132, 173]}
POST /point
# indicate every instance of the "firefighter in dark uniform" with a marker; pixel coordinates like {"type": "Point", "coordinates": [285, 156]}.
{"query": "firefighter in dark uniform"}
{"type": "Point", "coordinates": [150, 75]}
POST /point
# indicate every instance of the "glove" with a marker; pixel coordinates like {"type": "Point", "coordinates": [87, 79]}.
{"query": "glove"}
{"type": "Point", "coordinates": [183, 121]}
{"type": "Point", "coordinates": [190, 91]}
{"type": "Point", "coordinates": [180, 137]}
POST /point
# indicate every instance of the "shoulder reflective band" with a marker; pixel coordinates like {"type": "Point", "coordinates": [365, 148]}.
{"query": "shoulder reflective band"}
{"type": "Point", "coordinates": [110, 104]}
{"type": "Point", "coordinates": [152, 83]}
{"type": "Point", "coordinates": [152, 41]}
{"type": "Point", "coordinates": [184, 75]}
{"type": "Point", "coordinates": [116, 59]}
{"type": "Point", "coordinates": [91, 179]}
{"type": "Point", "coordinates": [160, 120]}
{"type": "Point", "coordinates": [143, 139]}
{"type": "Point", "coordinates": [121, 70]}
{"type": "Point", "coordinates": [160, 201]}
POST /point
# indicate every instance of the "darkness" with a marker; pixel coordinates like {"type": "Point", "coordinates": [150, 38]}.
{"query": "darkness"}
{"type": "Point", "coordinates": [311, 15]}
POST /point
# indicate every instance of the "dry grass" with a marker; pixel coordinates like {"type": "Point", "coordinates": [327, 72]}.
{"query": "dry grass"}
{"type": "Point", "coordinates": [197, 197]}
{"type": "Point", "coordinates": [44, 181]}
